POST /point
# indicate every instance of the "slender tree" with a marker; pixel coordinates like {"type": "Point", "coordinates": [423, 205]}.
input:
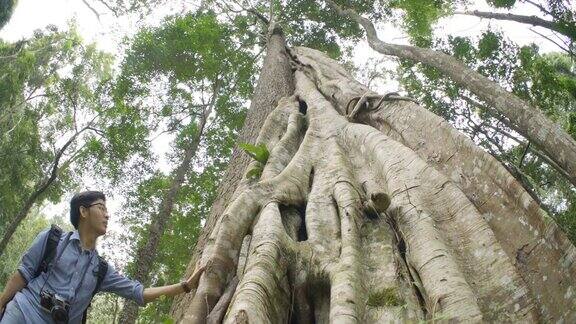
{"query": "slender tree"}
{"type": "Point", "coordinates": [146, 254]}
{"type": "Point", "coordinates": [199, 60]}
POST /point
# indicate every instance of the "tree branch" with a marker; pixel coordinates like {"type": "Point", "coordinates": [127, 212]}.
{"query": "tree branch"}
{"type": "Point", "coordinates": [42, 186]}
{"type": "Point", "coordinates": [531, 20]}
{"type": "Point", "coordinates": [96, 13]}
{"type": "Point", "coordinates": [529, 120]}
{"type": "Point", "coordinates": [521, 161]}
{"type": "Point", "coordinates": [567, 50]}
{"type": "Point", "coordinates": [249, 10]}
{"type": "Point", "coordinates": [114, 11]}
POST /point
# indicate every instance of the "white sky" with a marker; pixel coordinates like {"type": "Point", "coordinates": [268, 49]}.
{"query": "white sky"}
{"type": "Point", "coordinates": [109, 32]}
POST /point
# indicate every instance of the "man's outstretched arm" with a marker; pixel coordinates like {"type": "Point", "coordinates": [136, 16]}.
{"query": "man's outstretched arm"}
{"type": "Point", "coordinates": [14, 285]}
{"type": "Point", "coordinates": [152, 293]}
{"type": "Point", "coordinates": [131, 289]}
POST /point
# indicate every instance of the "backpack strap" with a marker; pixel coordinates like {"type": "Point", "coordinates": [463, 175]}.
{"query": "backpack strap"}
{"type": "Point", "coordinates": [50, 250]}
{"type": "Point", "coordinates": [102, 270]}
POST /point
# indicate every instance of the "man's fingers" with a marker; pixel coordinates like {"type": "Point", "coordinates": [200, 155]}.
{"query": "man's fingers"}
{"type": "Point", "coordinates": [198, 270]}
{"type": "Point", "coordinates": [202, 268]}
{"type": "Point", "coordinates": [195, 277]}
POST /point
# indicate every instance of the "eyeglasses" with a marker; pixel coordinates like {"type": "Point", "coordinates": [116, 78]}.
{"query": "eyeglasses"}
{"type": "Point", "coordinates": [100, 206]}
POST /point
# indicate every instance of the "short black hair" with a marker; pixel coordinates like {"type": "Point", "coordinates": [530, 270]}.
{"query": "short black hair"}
{"type": "Point", "coordinates": [80, 199]}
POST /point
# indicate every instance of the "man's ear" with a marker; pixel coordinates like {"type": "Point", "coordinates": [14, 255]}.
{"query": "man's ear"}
{"type": "Point", "coordinates": [83, 212]}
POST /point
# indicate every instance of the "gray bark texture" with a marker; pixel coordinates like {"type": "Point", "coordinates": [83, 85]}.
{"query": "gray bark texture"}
{"type": "Point", "coordinates": [275, 82]}
{"type": "Point", "coordinates": [529, 120]}
{"type": "Point", "coordinates": [566, 28]}
{"type": "Point", "coordinates": [372, 209]}
{"type": "Point", "coordinates": [531, 20]}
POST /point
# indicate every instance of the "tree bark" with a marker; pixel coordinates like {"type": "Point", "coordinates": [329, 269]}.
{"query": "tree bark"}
{"type": "Point", "coordinates": [515, 218]}
{"type": "Point", "coordinates": [312, 240]}
{"type": "Point", "coordinates": [531, 20]}
{"type": "Point", "coordinates": [531, 122]}
{"type": "Point", "coordinates": [146, 254]}
{"type": "Point", "coordinates": [275, 82]}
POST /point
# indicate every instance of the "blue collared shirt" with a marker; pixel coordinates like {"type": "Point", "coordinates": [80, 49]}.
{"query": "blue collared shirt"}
{"type": "Point", "coordinates": [72, 277]}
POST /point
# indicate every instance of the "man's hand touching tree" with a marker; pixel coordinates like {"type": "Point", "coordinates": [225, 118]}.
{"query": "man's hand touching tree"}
{"type": "Point", "coordinates": [191, 283]}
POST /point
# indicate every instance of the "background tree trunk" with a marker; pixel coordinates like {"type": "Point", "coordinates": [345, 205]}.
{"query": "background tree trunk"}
{"type": "Point", "coordinates": [146, 254]}
{"type": "Point", "coordinates": [388, 215]}
{"type": "Point", "coordinates": [41, 187]}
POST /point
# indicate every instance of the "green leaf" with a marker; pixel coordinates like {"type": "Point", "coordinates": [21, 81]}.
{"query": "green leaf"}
{"type": "Point", "coordinates": [259, 153]}
{"type": "Point", "coordinates": [255, 172]}
{"type": "Point", "coordinates": [502, 3]}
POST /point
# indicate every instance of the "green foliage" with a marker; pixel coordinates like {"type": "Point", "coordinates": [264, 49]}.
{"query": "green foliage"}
{"type": "Point", "coordinates": [488, 45]}
{"type": "Point", "coordinates": [305, 23]}
{"type": "Point", "coordinates": [260, 154]}
{"type": "Point", "coordinates": [6, 10]}
{"type": "Point", "coordinates": [419, 16]}
{"type": "Point", "coordinates": [167, 78]}
{"type": "Point", "coordinates": [548, 81]}
{"type": "Point", "coordinates": [22, 239]}
{"type": "Point", "coordinates": [50, 85]}
{"type": "Point", "coordinates": [309, 24]}
{"type": "Point", "coordinates": [384, 297]}
{"type": "Point", "coordinates": [193, 48]}
{"type": "Point", "coordinates": [502, 3]}
{"type": "Point", "coordinates": [564, 15]}
{"type": "Point", "coordinates": [257, 152]}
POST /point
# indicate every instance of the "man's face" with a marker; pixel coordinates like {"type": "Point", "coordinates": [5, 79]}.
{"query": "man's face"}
{"type": "Point", "coordinates": [98, 217]}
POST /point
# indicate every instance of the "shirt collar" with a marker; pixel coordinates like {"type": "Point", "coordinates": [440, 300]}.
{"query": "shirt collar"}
{"type": "Point", "coordinates": [76, 236]}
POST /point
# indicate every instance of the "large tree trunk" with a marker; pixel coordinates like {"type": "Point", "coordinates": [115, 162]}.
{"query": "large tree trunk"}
{"type": "Point", "coordinates": [388, 216]}
{"type": "Point", "coordinates": [275, 82]}
{"type": "Point", "coordinates": [529, 120]}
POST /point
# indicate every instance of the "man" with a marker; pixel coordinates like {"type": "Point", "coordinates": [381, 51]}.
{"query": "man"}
{"type": "Point", "coordinates": [73, 273]}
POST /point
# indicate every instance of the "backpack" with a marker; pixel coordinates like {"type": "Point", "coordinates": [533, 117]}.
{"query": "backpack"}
{"type": "Point", "coordinates": [54, 236]}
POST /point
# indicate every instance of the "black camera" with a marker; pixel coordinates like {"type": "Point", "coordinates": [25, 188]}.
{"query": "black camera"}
{"type": "Point", "coordinates": [54, 304]}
